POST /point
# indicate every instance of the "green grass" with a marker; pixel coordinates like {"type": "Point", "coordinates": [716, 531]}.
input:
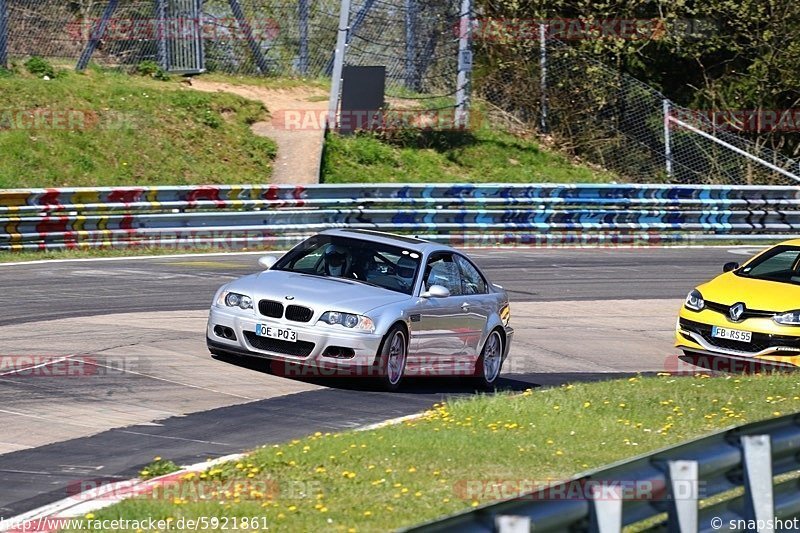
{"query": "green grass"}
{"type": "Point", "coordinates": [485, 156]}
{"type": "Point", "coordinates": [99, 253]}
{"type": "Point", "coordinates": [124, 130]}
{"type": "Point", "coordinates": [419, 470]}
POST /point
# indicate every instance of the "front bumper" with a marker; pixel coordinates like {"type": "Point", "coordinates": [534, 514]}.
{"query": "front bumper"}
{"type": "Point", "coordinates": [771, 342]}
{"type": "Point", "coordinates": [312, 341]}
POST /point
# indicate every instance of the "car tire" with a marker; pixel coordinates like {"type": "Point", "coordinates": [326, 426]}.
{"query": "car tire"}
{"type": "Point", "coordinates": [392, 358]}
{"type": "Point", "coordinates": [490, 362]}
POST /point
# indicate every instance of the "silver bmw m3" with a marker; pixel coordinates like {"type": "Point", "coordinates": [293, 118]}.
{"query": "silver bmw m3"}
{"type": "Point", "coordinates": [366, 303]}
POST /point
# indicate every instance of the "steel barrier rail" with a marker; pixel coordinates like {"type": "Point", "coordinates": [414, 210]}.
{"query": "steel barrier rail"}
{"type": "Point", "coordinates": [746, 473]}
{"type": "Point", "coordinates": [470, 214]}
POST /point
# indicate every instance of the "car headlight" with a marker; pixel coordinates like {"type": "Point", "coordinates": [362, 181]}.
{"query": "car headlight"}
{"type": "Point", "coordinates": [694, 301]}
{"type": "Point", "coordinates": [235, 299]}
{"type": "Point", "coordinates": [348, 320]}
{"type": "Point", "coordinates": [792, 318]}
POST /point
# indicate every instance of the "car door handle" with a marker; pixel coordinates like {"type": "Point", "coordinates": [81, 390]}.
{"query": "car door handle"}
{"type": "Point", "coordinates": [465, 306]}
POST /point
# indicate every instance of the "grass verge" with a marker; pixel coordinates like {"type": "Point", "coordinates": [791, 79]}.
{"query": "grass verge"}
{"type": "Point", "coordinates": [418, 470]}
{"type": "Point", "coordinates": [100, 253]}
{"type": "Point", "coordinates": [483, 155]}
{"type": "Point", "coordinates": [101, 128]}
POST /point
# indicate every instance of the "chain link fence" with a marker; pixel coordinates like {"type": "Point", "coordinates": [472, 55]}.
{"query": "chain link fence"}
{"type": "Point", "coordinates": [610, 119]}
{"type": "Point", "coordinates": [247, 37]}
{"type": "Point", "coordinates": [417, 42]}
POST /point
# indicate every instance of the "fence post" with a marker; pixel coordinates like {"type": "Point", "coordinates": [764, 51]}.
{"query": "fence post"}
{"type": "Point", "coordinates": [97, 34]}
{"type": "Point", "coordinates": [244, 25]}
{"type": "Point", "coordinates": [3, 34]}
{"type": "Point", "coordinates": [161, 34]}
{"type": "Point", "coordinates": [338, 63]}
{"type": "Point", "coordinates": [667, 139]}
{"type": "Point", "coordinates": [302, 7]}
{"type": "Point", "coordinates": [357, 21]}
{"type": "Point", "coordinates": [411, 45]}
{"type": "Point", "coordinates": [543, 76]}
{"type": "Point", "coordinates": [464, 64]}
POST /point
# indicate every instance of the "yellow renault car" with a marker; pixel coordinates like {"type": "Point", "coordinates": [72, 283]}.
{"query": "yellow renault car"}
{"type": "Point", "coordinates": [750, 312]}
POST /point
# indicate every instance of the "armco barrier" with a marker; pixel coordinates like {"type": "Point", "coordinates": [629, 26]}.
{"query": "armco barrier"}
{"type": "Point", "coordinates": [723, 482]}
{"type": "Point", "coordinates": [255, 216]}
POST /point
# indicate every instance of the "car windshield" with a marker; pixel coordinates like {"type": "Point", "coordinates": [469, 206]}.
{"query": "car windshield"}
{"type": "Point", "coordinates": [389, 267]}
{"type": "Point", "coordinates": [781, 264]}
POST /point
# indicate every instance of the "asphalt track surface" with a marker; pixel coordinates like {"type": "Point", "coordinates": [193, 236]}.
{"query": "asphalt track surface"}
{"type": "Point", "coordinates": [61, 290]}
{"type": "Point", "coordinates": [49, 292]}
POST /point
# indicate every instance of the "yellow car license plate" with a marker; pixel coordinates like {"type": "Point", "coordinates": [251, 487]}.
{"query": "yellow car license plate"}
{"type": "Point", "coordinates": [731, 334]}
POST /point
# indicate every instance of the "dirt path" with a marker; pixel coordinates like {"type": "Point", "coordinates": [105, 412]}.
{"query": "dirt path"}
{"type": "Point", "coordinates": [295, 125]}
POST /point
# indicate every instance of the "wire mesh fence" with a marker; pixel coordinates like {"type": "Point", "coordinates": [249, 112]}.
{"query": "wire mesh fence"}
{"type": "Point", "coordinates": [248, 37]}
{"type": "Point", "coordinates": [609, 118]}
{"type": "Point", "coordinates": [417, 42]}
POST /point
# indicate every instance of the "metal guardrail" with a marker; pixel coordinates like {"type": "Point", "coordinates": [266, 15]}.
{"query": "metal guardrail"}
{"type": "Point", "coordinates": [252, 216]}
{"type": "Point", "coordinates": [735, 480]}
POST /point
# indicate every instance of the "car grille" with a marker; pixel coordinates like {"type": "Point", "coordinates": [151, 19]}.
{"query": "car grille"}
{"type": "Point", "coordinates": [760, 341]}
{"type": "Point", "coordinates": [270, 308]}
{"type": "Point", "coordinates": [748, 313]}
{"type": "Point", "coordinates": [296, 349]}
{"type": "Point", "coordinates": [298, 313]}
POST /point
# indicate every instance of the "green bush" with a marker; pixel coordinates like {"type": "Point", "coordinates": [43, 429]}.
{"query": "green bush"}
{"type": "Point", "coordinates": [40, 67]}
{"type": "Point", "coordinates": [151, 69]}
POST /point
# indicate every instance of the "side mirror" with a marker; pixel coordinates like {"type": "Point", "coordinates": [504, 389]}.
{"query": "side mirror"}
{"type": "Point", "coordinates": [727, 267]}
{"type": "Point", "coordinates": [266, 261]}
{"type": "Point", "coordinates": [436, 291]}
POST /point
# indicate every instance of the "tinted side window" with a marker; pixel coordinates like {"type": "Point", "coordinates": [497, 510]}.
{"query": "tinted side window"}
{"type": "Point", "coordinates": [442, 270]}
{"type": "Point", "coordinates": [471, 280]}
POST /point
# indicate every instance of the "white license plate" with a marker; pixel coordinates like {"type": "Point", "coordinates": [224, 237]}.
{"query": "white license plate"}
{"type": "Point", "coordinates": [731, 334]}
{"type": "Point", "coordinates": [284, 334]}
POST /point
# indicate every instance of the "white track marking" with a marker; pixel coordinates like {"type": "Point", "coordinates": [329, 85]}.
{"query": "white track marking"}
{"type": "Point", "coordinates": [173, 382]}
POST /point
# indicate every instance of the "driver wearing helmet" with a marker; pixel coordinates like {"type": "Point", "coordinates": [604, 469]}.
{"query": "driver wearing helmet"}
{"type": "Point", "coordinates": [405, 270]}
{"type": "Point", "coordinates": [336, 260]}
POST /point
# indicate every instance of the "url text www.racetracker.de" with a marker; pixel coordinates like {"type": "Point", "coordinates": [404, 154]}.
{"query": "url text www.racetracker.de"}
{"type": "Point", "coordinates": [89, 523]}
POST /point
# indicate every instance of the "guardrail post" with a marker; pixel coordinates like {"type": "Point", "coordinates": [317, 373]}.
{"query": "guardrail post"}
{"type": "Point", "coordinates": [682, 478]}
{"type": "Point", "coordinates": [606, 510]}
{"type": "Point", "coordinates": [757, 459]}
{"type": "Point", "coordinates": [512, 524]}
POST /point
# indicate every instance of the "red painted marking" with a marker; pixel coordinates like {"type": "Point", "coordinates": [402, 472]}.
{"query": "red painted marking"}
{"type": "Point", "coordinates": [52, 225]}
{"type": "Point", "coordinates": [126, 222]}
{"type": "Point", "coordinates": [205, 193]}
{"type": "Point", "coordinates": [125, 196]}
{"type": "Point", "coordinates": [51, 197]}
{"type": "Point", "coordinates": [271, 193]}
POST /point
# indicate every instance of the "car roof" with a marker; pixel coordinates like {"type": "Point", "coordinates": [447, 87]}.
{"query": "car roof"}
{"type": "Point", "coordinates": [402, 241]}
